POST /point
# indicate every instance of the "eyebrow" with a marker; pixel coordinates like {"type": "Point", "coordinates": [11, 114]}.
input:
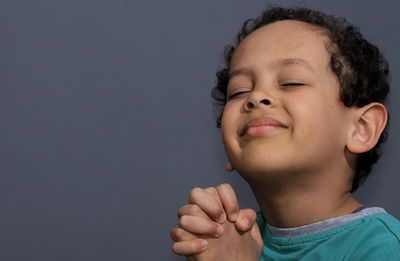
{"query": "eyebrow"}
{"type": "Point", "coordinates": [297, 61]}
{"type": "Point", "coordinates": [244, 71]}
{"type": "Point", "coordinates": [282, 62]}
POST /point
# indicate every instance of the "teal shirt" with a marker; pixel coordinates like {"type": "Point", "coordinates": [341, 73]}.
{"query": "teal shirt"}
{"type": "Point", "coordinates": [372, 237]}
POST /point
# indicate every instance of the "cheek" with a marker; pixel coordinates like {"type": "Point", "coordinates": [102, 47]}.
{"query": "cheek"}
{"type": "Point", "coordinates": [309, 111]}
{"type": "Point", "coordinates": [228, 119]}
{"type": "Point", "coordinates": [227, 124]}
{"type": "Point", "coordinates": [229, 127]}
{"type": "Point", "coordinates": [317, 127]}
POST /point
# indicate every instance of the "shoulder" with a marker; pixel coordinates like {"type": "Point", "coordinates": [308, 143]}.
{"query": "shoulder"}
{"type": "Point", "coordinates": [387, 224]}
{"type": "Point", "coordinates": [376, 238]}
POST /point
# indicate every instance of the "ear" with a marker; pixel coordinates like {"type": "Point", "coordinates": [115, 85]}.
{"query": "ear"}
{"type": "Point", "coordinates": [368, 124]}
{"type": "Point", "coordinates": [229, 167]}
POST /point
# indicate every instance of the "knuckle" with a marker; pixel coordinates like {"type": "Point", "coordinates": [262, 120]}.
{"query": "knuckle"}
{"type": "Point", "coordinates": [216, 210]}
{"type": "Point", "coordinates": [182, 210]}
{"type": "Point", "coordinates": [231, 205]}
{"type": "Point", "coordinates": [184, 220]}
{"type": "Point", "coordinates": [194, 209]}
{"type": "Point", "coordinates": [172, 236]}
{"type": "Point", "coordinates": [221, 187]}
{"type": "Point", "coordinates": [175, 249]}
{"type": "Point", "coordinates": [225, 186]}
{"type": "Point", "coordinates": [176, 234]}
{"type": "Point", "coordinates": [195, 190]}
{"type": "Point", "coordinates": [194, 193]}
{"type": "Point", "coordinates": [211, 190]}
{"type": "Point", "coordinates": [173, 233]}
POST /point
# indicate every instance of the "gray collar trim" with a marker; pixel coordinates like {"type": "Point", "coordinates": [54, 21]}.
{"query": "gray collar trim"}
{"type": "Point", "coordinates": [322, 225]}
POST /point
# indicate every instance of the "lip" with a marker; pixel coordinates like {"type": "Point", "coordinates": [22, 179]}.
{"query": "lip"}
{"type": "Point", "coordinates": [258, 122]}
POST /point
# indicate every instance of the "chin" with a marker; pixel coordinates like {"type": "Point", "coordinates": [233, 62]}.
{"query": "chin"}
{"type": "Point", "coordinates": [256, 169]}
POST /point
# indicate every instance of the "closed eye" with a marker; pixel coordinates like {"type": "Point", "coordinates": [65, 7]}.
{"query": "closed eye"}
{"type": "Point", "coordinates": [292, 84]}
{"type": "Point", "coordinates": [284, 85]}
{"type": "Point", "coordinates": [236, 94]}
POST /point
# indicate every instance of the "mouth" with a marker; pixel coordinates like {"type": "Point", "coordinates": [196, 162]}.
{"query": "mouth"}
{"type": "Point", "coordinates": [260, 126]}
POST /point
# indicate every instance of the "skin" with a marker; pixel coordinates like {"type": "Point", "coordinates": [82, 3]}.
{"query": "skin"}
{"type": "Point", "coordinates": [298, 169]}
{"type": "Point", "coordinates": [299, 174]}
{"type": "Point", "coordinates": [239, 239]}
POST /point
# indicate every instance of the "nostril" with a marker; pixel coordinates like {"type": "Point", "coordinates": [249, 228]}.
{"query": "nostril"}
{"type": "Point", "coordinates": [250, 105]}
{"type": "Point", "coordinates": [266, 102]}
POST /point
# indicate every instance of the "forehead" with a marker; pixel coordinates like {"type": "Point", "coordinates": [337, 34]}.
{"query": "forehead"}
{"type": "Point", "coordinates": [282, 40]}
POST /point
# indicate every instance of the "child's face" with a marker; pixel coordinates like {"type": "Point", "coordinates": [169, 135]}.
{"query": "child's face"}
{"type": "Point", "coordinates": [264, 66]}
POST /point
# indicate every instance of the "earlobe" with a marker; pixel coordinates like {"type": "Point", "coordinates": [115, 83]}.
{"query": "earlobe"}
{"type": "Point", "coordinates": [369, 123]}
{"type": "Point", "coordinates": [229, 167]}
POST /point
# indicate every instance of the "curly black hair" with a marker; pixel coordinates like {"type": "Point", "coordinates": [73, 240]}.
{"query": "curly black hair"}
{"type": "Point", "coordinates": [361, 69]}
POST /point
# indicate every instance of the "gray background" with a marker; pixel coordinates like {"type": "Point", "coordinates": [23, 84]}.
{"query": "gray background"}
{"type": "Point", "coordinates": [107, 123]}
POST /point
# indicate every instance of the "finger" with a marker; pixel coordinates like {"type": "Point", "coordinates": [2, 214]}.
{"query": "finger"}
{"type": "Point", "coordinates": [229, 201]}
{"type": "Point", "coordinates": [191, 247]}
{"type": "Point", "coordinates": [247, 218]}
{"type": "Point", "coordinates": [207, 203]}
{"type": "Point", "coordinates": [178, 234]}
{"type": "Point", "coordinates": [214, 193]}
{"type": "Point", "coordinates": [192, 210]}
{"type": "Point", "coordinates": [229, 167]}
{"type": "Point", "coordinates": [255, 232]}
{"type": "Point", "coordinates": [199, 225]}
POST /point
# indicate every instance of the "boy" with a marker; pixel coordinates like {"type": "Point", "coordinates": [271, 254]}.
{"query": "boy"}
{"type": "Point", "coordinates": [302, 122]}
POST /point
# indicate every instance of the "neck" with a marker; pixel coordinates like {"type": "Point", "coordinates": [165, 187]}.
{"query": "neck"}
{"type": "Point", "coordinates": [301, 203]}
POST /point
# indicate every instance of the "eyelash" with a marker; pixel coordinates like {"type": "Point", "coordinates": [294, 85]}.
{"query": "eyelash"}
{"type": "Point", "coordinates": [284, 85]}
{"type": "Point", "coordinates": [292, 84]}
{"type": "Point", "coordinates": [235, 94]}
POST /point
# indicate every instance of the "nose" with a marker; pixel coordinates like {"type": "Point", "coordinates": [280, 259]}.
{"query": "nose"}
{"type": "Point", "coordinates": [252, 103]}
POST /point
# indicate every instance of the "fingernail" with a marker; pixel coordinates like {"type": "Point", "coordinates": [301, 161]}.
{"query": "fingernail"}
{"type": "Point", "coordinates": [222, 218]}
{"type": "Point", "coordinates": [234, 216]}
{"type": "Point", "coordinates": [220, 231]}
{"type": "Point", "coordinates": [203, 244]}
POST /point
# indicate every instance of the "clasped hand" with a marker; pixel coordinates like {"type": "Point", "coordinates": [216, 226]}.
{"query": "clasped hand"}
{"type": "Point", "coordinates": [213, 228]}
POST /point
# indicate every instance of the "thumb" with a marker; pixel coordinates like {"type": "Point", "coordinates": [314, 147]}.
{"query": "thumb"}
{"type": "Point", "coordinates": [246, 219]}
{"type": "Point", "coordinates": [255, 232]}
